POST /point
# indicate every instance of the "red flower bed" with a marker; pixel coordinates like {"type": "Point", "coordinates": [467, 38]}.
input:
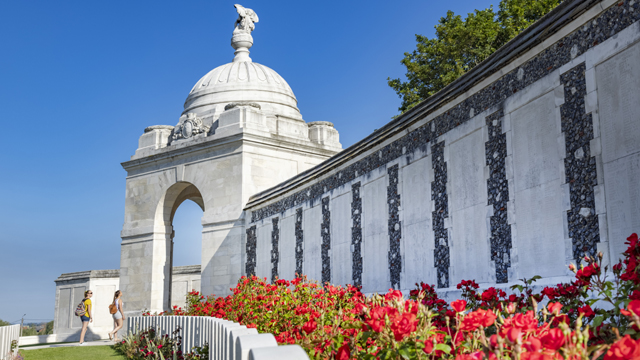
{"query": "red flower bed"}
{"type": "Point", "coordinates": [340, 323]}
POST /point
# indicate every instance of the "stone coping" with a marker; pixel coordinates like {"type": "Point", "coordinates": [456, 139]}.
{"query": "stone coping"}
{"type": "Point", "coordinates": [115, 273]}
{"type": "Point", "coordinates": [189, 269]}
{"type": "Point", "coordinates": [91, 274]}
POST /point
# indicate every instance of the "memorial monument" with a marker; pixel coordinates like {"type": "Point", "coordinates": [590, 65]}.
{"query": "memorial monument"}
{"type": "Point", "coordinates": [520, 167]}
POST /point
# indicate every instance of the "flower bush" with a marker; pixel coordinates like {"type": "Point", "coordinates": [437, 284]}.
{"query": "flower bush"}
{"type": "Point", "coordinates": [589, 318]}
{"type": "Point", "coordinates": [148, 344]}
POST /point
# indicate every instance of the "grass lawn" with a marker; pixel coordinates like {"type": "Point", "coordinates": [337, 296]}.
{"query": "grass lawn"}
{"type": "Point", "coordinates": [73, 353]}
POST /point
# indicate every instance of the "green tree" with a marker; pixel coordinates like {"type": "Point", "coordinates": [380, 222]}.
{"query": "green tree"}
{"type": "Point", "coordinates": [49, 328]}
{"type": "Point", "coordinates": [460, 44]}
{"type": "Point", "coordinates": [4, 323]}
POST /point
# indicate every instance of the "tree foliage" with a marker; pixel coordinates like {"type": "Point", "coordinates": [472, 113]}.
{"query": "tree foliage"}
{"type": "Point", "coordinates": [460, 44]}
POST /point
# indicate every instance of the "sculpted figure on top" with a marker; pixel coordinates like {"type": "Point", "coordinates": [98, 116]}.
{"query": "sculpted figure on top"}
{"type": "Point", "coordinates": [246, 20]}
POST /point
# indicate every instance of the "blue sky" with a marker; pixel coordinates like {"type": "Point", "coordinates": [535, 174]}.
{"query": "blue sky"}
{"type": "Point", "coordinates": [80, 80]}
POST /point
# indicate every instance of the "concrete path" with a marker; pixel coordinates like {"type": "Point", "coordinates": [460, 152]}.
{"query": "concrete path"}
{"type": "Point", "coordinates": [88, 343]}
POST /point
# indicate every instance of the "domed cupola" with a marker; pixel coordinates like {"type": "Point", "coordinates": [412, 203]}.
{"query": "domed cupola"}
{"type": "Point", "coordinates": [238, 99]}
{"type": "Point", "coordinates": [242, 80]}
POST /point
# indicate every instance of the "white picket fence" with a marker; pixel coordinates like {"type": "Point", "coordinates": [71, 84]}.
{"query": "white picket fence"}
{"type": "Point", "coordinates": [227, 340]}
{"type": "Point", "coordinates": [7, 335]}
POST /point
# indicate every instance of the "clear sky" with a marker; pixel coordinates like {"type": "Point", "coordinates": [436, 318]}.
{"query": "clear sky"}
{"type": "Point", "coordinates": [80, 80]}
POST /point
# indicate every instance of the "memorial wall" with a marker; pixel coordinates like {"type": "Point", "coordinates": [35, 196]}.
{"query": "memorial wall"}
{"type": "Point", "coordinates": [522, 166]}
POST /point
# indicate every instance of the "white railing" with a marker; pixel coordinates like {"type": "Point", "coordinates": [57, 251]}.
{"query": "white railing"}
{"type": "Point", "coordinates": [8, 334]}
{"type": "Point", "coordinates": [227, 340]}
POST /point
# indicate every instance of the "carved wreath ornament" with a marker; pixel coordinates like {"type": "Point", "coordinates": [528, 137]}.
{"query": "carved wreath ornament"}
{"type": "Point", "coordinates": [188, 126]}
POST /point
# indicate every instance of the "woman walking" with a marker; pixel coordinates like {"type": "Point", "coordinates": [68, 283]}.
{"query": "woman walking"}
{"type": "Point", "coordinates": [86, 318]}
{"type": "Point", "coordinates": [118, 317]}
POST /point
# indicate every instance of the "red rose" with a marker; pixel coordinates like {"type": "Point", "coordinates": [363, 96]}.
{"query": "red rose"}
{"type": "Point", "coordinates": [404, 325]}
{"type": "Point", "coordinates": [553, 340]}
{"type": "Point", "coordinates": [586, 311]}
{"type": "Point", "coordinates": [393, 295]}
{"type": "Point", "coordinates": [477, 318]}
{"type": "Point", "coordinates": [554, 308]}
{"type": "Point", "coordinates": [624, 349]}
{"type": "Point", "coordinates": [489, 294]}
{"type": "Point", "coordinates": [376, 320]}
{"type": "Point", "coordinates": [360, 308]}
{"type": "Point", "coordinates": [525, 322]}
{"type": "Point", "coordinates": [514, 335]}
{"type": "Point", "coordinates": [343, 352]}
{"type": "Point", "coordinates": [459, 305]}
{"type": "Point", "coordinates": [428, 346]}
{"type": "Point", "coordinates": [533, 344]}
{"type": "Point", "coordinates": [493, 341]}
{"type": "Point", "coordinates": [309, 326]}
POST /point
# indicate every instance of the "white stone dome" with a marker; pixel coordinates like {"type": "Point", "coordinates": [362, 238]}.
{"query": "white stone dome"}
{"type": "Point", "coordinates": [242, 81]}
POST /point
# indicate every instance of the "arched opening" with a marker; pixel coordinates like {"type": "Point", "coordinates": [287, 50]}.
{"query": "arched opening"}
{"type": "Point", "coordinates": [182, 223]}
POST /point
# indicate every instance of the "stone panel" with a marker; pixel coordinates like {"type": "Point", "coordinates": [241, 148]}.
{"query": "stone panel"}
{"type": "Point", "coordinates": [312, 266]}
{"type": "Point", "coordinates": [341, 254]}
{"type": "Point", "coordinates": [538, 197]}
{"type": "Point", "coordinates": [619, 101]}
{"type": "Point", "coordinates": [469, 246]}
{"type": "Point", "coordinates": [375, 274]}
{"type": "Point", "coordinates": [179, 290]}
{"type": "Point", "coordinates": [287, 267]}
{"type": "Point", "coordinates": [417, 240]}
{"type": "Point", "coordinates": [622, 191]}
{"type": "Point", "coordinates": [263, 251]}
{"type": "Point", "coordinates": [618, 82]}
{"type": "Point", "coordinates": [535, 146]}
{"type": "Point", "coordinates": [64, 306]}
{"type": "Point", "coordinates": [539, 239]}
{"type": "Point", "coordinates": [467, 172]}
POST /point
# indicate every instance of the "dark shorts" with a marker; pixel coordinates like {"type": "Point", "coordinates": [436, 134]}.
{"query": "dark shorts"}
{"type": "Point", "coordinates": [84, 318]}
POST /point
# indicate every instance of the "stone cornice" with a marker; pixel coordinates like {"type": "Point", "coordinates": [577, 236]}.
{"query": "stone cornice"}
{"type": "Point", "coordinates": [208, 144]}
{"type": "Point", "coordinates": [86, 275]}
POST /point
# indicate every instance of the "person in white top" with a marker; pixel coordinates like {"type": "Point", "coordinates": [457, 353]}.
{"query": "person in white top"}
{"type": "Point", "coordinates": [118, 317]}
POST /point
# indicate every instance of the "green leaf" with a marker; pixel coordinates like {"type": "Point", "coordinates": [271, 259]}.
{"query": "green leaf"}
{"type": "Point", "coordinates": [597, 321]}
{"type": "Point", "coordinates": [386, 354]}
{"type": "Point", "coordinates": [404, 352]}
{"type": "Point", "coordinates": [443, 347]}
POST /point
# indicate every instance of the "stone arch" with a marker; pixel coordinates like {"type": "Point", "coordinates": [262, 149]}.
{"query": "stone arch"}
{"type": "Point", "coordinates": [175, 195]}
{"type": "Point", "coordinates": [169, 203]}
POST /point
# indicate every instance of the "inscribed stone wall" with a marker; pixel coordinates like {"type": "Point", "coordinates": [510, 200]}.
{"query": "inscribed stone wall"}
{"type": "Point", "coordinates": [618, 81]}
{"type": "Point", "coordinates": [522, 173]}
